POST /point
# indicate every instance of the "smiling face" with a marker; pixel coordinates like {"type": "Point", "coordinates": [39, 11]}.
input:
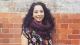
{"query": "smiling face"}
{"type": "Point", "coordinates": [38, 13]}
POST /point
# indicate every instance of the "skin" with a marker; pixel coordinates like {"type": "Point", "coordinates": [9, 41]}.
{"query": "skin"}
{"type": "Point", "coordinates": [38, 13]}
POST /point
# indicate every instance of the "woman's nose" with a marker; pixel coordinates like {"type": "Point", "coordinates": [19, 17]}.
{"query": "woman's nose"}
{"type": "Point", "coordinates": [38, 15]}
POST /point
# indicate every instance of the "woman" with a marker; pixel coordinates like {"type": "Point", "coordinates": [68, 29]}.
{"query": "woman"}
{"type": "Point", "coordinates": [38, 25]}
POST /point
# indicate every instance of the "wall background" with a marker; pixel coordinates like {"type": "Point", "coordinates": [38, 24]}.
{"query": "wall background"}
{"type": "Point", "coordinates": [67, 29]}
{"type": "Point", "coordinates": [65, 12]}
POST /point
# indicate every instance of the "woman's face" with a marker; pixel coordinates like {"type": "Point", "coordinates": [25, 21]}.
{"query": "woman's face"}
{"type": "Point", "coordinates": [38, 13]}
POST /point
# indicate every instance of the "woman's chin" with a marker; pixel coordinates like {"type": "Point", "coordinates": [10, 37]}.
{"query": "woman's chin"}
{"type": "Point", "coordinates": [39, 20]}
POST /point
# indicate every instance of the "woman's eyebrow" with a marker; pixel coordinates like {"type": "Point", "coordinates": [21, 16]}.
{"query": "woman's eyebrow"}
{"type": "Point", "coordinates": [35, 10]}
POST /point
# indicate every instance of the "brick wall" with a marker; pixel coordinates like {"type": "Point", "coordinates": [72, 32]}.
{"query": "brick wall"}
{"type": "Point", "coordinates": [67, 29]}
{"type": "Point", "coordinates": [10, 29]}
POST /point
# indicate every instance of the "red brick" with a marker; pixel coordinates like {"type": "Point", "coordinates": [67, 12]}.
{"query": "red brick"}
{"type": "Point", "coordinates": [4, 40]}
{"type": "Point", "coordinates": [57, 18]}
{"type": "Point", "coordinates": [5, 30]}
{"type": "Point", "coordinates": [75, 42]}
{"type": "Point", "coordinates": [76, 32]}
{"type": "Point", "coordinates": [58, 25]}
{"type": "Point", "coordinates": [15, 30]}
{"type": "Point", "coordinates": [6, 35]}
{"type": "Point", "coordinates": [17, 25]}
{"type": "Point", "coordinates": [69, 18]}
{"type": "Point", "coordinates": [72, 36]}
{"type": "Point", "coordinates": [74, 16]}
{"type": "Point", "coordinates": [74, 26]}
{"type": "Point", "coordinates": [9, 44]}
{"type": "Point", "coordinates": [15, 20]}
{"type": "Point", "coordinates": [1, 25]}
{"type": "Point", "coordinates": [16, 35]}
{"type": "Point", "coordinates": [64, 41]}
{"type": "Point", "coordinates": [64, 21]}
{"type": "Point", "coordinates": [10, 35]}
{"type": "Point", "coordinates": [5, 20]}
{"type": "Point", "coordinates": [14, 40]}
{"type": "Point", "coordinates": [74, 20]}
{"type": "Point", "coordinates": [7, 25]}
{"type": "Point", "coordinates": [64, 25]}
{"type": "Point", "coordinates": [1, 20]}
{"type": "Point", "coordinates": [64, 16]}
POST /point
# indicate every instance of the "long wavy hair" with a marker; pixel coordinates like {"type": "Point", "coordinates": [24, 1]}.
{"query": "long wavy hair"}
{"type": "Point", "coordinates": [47, 16]}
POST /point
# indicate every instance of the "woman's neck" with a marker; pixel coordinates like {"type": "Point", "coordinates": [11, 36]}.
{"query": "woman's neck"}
{"type": "Point", "coordinates": [37, 21]}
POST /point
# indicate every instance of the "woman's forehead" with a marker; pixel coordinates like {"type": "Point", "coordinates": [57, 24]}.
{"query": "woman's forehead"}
{"type": "Point", "coordinates": [38, 7]}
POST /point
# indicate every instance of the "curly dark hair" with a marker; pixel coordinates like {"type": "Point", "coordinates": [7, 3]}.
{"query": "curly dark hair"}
{"type": "Point", "coordinates": [47, 16]}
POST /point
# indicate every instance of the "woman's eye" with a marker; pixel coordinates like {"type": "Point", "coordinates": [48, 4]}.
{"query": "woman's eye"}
{"type": "Point", "coordinates": [41, 11]}
{"type": "Point", "coordinates": [36, 12]}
